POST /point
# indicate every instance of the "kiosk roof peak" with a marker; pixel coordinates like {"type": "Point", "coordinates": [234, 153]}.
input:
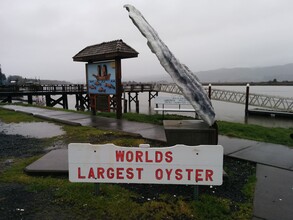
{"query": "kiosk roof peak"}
{"type": "Point", "coordinates": [105, 51]}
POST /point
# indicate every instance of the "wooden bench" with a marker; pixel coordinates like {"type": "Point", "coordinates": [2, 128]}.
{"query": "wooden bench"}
{"type": "Point", "coordinates": [166, 102]}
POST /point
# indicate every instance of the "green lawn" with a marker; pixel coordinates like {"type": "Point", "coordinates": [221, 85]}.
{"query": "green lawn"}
{"type": "Point", "coordinates": [131, 201]}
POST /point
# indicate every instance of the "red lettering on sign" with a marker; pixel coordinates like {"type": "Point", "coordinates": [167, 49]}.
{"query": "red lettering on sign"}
{"type": "Point", "coordinates": [139, 170]}
{"type": "Point", "coordinates": [119, 156]}
{"type": "Point", "coordinates": [143, 156]}
{"type": "Point", "coordinates": [129, 173]}
{"type": "Point", "coordinates": [129, 156]}
{"type": "Point", "coordinates": [120, 173]}
{"type": "Point", "coordinates": [147, 160]}
{"type": "Point", "coordinates": [139, 155]}
{"type": "Point", "coordinates": [110, 173]}
{"type": "Point", "coordinates": [100, 172]}
{"type": "Point", "coordinates": [79, 174]}
{"type": "Point", "coordinates": [158, 157]}
{"type": "Point", "coordinates": [178, 174]}
{"type": "Point", "coordinates": [91, 173]}
{"type": "Point", "coordinates": [169, 157]}
{"type": "Point", "coordinates": [189, 173]}
{"type": "Point", "coordinates": [198, 175]}
{"type": "Point", "coordinates": [169, 173]}
{"type": "Point", "coordinates": [159, 174]}
{"type": "Point", "coordinates": [209, 174]}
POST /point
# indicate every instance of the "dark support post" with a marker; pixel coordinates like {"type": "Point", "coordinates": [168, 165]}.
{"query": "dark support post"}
{"type": "Point", "coordinates": [136, 102]}
{"type": "Point", "coordinates": [48, 100]}
{"type": "Point", "coordinates": [77, 102]}
{"type": "Point", "coordinates": [97, 189]}
{"type": "Point", "coordinates": [195, 192]}
{"type": "Point", "coordinates": [210, 91]}
{"type": "Point", "coordinates": [29, 99]}
{"type": "Point", "coordinates": [82, 102]}
{"type": "Point", "coordinates": [152, 96]}
{"type": "Point", "coordinates": [118, 88]}
{"type": "Point", "coordinates": [9, 99]}
{"type": "Point", "coordinates": [247, 100]}
{"type": "Point", "coordinates": [129, 101]}
{"type": "Point", "coordinates": [65, 101]}
{"type": "Point", "coordinates": [137, 105]}
{"type": "Point", "coordinates": [125, 106]}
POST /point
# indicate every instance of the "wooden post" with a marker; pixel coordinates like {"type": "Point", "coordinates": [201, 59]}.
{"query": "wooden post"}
{"type": "Point", "coordinates": [30, 99]}
{"type": "Point", "coordinates": [9, 99]}
{"type": "Point", "coordinates": [150, 97]}
{"type": "Point", "coordinates": [118, 88]}
{"type": "Point", "coordinates": [247, 100]}
{"type": "Point", "coordinates": [97, 188]}
{"type": "Point", "coordinates": [129, 101]}
{"type": "Point", "coordinates": [137, 106]}
{"type": "Point", "coordinates": [125, 106]}
{"type": "Point", "coordinates": [65, 100]}
{"type": "Point", "coordinates": [48, 100]}
{"type": "Point", "coordinates": [195, 192]}
{"type": "Point", "coordinates": [210, 91]}
{"type": "Point", "coordinates": [77, 102]}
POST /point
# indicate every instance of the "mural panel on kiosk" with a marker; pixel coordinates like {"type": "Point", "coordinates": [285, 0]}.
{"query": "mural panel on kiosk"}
{"type": "Point", "coordinates": [101, 77]}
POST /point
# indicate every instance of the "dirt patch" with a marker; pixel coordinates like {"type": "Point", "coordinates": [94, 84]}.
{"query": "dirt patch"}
{"type": "Point", "coordinates": [17, 201]}
{"type": "Point", "coordinates": [19, 146]}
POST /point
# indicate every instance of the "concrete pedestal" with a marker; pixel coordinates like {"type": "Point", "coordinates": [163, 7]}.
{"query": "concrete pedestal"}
{"type": "Point", "coordinates": [190, 132]}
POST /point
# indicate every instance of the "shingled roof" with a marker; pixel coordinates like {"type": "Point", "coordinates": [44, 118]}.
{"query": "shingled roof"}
{"type": "Point", "coordinates": [105, 51]}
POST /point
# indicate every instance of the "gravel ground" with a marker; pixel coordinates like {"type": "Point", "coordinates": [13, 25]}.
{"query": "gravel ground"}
{"type": "Point", "coordinates": [19, 146]}
{"type": "Point", "coordinates": [17, 201]}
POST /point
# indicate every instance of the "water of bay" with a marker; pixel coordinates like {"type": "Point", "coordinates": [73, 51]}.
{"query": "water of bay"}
{"type": "Point", "coordinates": [225, 111]}
{"type": "Point", "coordinates": [233, 112]}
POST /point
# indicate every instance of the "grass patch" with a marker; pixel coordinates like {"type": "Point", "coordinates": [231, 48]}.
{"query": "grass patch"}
{"type": "Point", "coordinates": [121, 201]}
{"type": "Point", "coordinates": [256, 132]}
{"type": "Point", "coordinates": [231, 129]}
{"type": "Point", "coordinates": [7, 116]}
{"type": "Point", "coordinates": [152, 119]}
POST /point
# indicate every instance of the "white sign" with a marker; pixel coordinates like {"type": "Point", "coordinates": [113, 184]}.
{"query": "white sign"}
{"type": "Point", "coordinates": [173, 100]}
{"type": "Point", "coordinates": [180, 164]}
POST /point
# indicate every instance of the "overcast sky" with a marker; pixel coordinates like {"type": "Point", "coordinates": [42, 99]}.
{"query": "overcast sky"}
{"type": "Point", "coordinates": [38, 38]}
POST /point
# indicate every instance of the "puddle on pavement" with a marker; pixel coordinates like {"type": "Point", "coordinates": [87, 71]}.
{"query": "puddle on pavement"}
{"type": "Point", "coordinates": [32, 129]}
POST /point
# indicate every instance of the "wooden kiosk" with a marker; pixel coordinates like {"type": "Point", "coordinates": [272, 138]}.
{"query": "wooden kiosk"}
{"type": "Point", "coordinates": [103, 73]}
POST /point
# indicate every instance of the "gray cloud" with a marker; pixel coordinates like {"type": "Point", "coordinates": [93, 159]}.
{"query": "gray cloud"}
{"type": "Point", "coordinates": [38, 37]}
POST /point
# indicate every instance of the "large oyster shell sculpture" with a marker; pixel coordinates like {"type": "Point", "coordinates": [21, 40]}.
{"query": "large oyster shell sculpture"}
{"type": "Point", "coordinates": [187, 82]}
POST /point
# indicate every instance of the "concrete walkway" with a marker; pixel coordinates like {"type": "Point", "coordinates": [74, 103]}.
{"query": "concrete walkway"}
{"type": "Point", "coordinates": [274, 189]}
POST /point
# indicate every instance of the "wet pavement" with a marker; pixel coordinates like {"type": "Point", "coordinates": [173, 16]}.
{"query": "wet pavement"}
{"type": "Point", "coordinates": [45, 165]}
{"type": "Point", "coordinates": [274, 189]}
{"type": "Point", "coordinates": [273, 197]}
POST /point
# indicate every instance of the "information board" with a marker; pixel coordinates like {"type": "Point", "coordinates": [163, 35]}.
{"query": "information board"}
{"type": "Point", "coordinates": [179, 164]}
